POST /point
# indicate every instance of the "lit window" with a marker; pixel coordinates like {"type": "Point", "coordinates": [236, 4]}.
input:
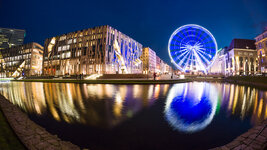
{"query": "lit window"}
{"type": "Point", "coordinates": [68, 55]}
{"type": "Point", "coordinates": [70, 41]}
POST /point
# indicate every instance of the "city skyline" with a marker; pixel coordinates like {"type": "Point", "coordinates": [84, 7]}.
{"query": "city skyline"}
{"type": "Point", "coordinates": [150, 23]}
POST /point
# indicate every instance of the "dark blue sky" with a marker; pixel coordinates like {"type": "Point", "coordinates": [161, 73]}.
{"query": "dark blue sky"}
{"type": "Point", "coordinates": [149, 22]}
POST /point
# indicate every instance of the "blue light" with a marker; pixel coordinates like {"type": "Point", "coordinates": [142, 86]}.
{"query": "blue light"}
{"type": "Point", "coordinates": [192, 43]}
{"type": "Point", "coordinates": [190, 113]}
{"type": "Point", "coordinates": [191, 107]}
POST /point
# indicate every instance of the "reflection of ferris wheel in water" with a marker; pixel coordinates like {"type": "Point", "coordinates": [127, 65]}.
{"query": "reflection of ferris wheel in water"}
{"type": "Point", "coordinates": [192, 47]}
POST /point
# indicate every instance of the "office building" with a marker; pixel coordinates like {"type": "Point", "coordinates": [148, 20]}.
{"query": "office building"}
{"type": "Point", "coordinates": [23, 60]}
{"type": "Point", "coordinates": [149, 60]}
{"type": "Point", "coordinates": [159, 64]}
{"type": "Point", "coordinates": [11, 37]}
{"type": "Point", "coordinates": [98, 50]}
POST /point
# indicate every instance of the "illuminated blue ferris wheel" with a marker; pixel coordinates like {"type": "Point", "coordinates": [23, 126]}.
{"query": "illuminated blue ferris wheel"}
{"type": "Point", "coordinates": [192, 48]}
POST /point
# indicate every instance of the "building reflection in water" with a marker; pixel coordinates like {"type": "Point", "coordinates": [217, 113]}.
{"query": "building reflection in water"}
{"type": "Point", "coordinates": [190, 107]}
{"type": "Point", "coordinates": [101, 105]}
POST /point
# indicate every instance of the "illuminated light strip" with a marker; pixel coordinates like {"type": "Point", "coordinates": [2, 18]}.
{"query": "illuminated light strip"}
{"type": "Point", "coordinates": [17, 72]}
{"type": "Point", "coordinates": [120, 57]}
{"type": "Point", "coordinates": [93, 76]}
{"type": "Point", "coordinates": [51, 45]}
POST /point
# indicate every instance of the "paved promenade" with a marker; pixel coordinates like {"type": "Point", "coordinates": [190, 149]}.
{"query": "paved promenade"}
{"type": "Point", "coordinates": [32, 135]}
{"type": "Point", "coordinates": [254, 139]}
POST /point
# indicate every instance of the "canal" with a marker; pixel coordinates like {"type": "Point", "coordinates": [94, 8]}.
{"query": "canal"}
{"type": "Point", "coordinates": [195, 115]}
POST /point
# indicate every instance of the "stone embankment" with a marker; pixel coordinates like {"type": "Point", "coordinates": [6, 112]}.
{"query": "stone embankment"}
{"type": "Point", "coordinates": [33, 136]}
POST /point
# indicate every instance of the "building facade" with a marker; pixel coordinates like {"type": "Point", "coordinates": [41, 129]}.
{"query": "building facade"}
{"type": "Point", "coordinates": [241, 58]}
{"type": "Point", "coordinates": [162, 67]}
{"type": "Point", "coordinates": [218, 66]}
{"type": "Point", "coordinates": [22, 60]}
{"type": "Point", "coordinates": [159, 63]}
{"type": "Point", "coordinates": [149, 60]}
{"type": "Point", "coordinates": [11, 37]}
{"type": "Point", "coordinates": [261, 45]}
{"type": "Point", "coordinates": [98, 50]}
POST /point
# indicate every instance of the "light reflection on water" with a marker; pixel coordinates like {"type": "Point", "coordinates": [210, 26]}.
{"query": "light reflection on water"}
{"type": "Point", "coordinates": [84, 102]}
{"type": "Point", "coordinates": [191, 107]}
{"type": "Point", "coordinates": [94, 115]}
{"type": "Point", "coordinates": [92, 104]}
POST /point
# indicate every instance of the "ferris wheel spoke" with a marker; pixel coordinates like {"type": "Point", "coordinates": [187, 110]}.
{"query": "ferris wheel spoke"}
{"type": "Point", "coordinates": [204, 54]}
{"type": "Point", "coordinates": [181, 52]}
{"type": "Point", "coordinates": [199, 61]}
{"type": "Point", "coordinates": [186, 63]}
{"type": "Point", "coordinates": [182, 55]}
{"type": "Point", "coordinates": [204, 58]}
{"type": "Point", "coordinates": [182, 60]}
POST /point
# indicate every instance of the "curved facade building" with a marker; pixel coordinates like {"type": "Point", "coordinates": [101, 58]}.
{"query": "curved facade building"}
{"type": "Point", "coordinates": [98, 50]}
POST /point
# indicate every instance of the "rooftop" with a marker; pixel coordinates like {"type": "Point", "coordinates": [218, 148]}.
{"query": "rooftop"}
{"type": "Point", "coordinates": [242, 44]}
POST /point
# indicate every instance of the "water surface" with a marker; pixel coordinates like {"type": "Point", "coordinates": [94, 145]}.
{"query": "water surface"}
{"type": "Point", "coordinates": [196, 115]}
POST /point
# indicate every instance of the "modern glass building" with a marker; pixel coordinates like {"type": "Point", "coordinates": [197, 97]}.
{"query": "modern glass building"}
{"type": "Point", "coordinates": [22, 60]}
{"type": "Point", "coordinates": [97, 50]}
{"type": "Point", "coordinates": [11, 37]}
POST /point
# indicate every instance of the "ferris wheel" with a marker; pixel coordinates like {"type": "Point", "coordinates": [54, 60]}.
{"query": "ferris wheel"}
{"type": "Point", "coordinates": [192, 48]}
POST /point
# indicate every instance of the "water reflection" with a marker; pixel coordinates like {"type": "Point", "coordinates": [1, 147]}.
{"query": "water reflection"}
{"type": "Point", "coordinates": [190, 107]}
{"type": "Point", "coordinates": [245, 102]}
{"type": "Point", "coordinates": [92, 104]}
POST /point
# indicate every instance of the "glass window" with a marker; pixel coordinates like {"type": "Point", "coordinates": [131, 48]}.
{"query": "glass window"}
{"type": "Point", "coordinates": [69, 41]}
{"type": "Point", "coordinates": [68, 55]}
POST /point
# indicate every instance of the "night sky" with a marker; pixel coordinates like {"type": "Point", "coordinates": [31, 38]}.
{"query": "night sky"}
{"type": "Point", "coordinates": [149, 22]}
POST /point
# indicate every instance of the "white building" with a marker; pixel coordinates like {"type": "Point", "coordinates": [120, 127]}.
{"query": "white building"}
{"type": "Point", "coordinates": [218, 66]}
{"type": "Point", "coordinates": [241, 58]}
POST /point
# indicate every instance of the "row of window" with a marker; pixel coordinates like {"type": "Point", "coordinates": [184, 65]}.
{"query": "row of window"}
{"type": "Point", "coordinates": [17, 58]}
{"type": "Point", "coordinates": [261, 45]}
{"type": "Point", "coordinates": [16, 63]}
{"type": "Point", "coordinates": [88, 37]}
{"type": "Point", "coordinates": [262, 37]}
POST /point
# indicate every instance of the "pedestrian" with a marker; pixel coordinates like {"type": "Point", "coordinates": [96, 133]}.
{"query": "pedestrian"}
{"type": "Point", "coordinates": [155, 75]}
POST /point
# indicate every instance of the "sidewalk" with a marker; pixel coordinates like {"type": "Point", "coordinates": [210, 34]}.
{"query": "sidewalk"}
{"type": "Point", "coordinates": [254, 139]}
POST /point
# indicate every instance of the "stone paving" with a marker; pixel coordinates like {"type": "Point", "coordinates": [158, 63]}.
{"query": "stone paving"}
{"type": "Point", "coordinates": [254, 139]}
{"type": "Point", "coordinates": [33, 136]}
